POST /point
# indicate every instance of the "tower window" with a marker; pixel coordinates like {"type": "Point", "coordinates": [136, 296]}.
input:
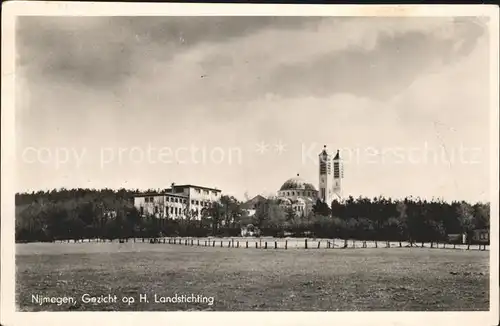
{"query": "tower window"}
{"type": "Point", "coordinates": [336, 170]}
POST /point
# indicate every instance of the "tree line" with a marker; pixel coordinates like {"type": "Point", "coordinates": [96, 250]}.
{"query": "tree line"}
{"type": "Point", "coordinates": [110, 214]}
{"type": "Point", "coordinates": [410, 219]}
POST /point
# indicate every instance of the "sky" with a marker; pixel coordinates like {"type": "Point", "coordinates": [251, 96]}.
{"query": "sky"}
{"type": "Point", "coordinates": [244, 103]}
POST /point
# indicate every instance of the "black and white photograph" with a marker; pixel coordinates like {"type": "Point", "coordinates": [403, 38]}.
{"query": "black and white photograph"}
{"type": "Point", "coordinates": [228, 160]}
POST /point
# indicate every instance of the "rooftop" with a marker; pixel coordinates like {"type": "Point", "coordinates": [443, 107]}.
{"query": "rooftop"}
{"type": "Point", "coordinates": [169, 194]}
{"type": "Point", "coordinates": [194, 186]}
{"type": "Point", "coordinates": [297, 183]}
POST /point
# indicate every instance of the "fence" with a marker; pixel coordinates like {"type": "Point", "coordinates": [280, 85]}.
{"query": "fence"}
{"type": "Point", "coordinates": [307, 243]}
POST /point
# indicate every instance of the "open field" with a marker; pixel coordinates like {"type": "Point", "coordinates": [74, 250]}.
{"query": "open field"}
{"type": "Point", "coordinates": [239, 279]}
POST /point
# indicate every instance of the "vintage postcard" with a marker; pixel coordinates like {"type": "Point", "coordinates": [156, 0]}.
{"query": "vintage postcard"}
{"type": "Point", "coordinates": [275, 164]}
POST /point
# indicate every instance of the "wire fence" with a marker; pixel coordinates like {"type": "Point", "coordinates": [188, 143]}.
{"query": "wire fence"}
{"type": "Point", "coordinates": [307, 243]}
{"type": "Point", "coordinates": [288, 243]}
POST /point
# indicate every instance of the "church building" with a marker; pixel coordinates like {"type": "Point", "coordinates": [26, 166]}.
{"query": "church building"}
{"type": "Point", "coordinates": [301, 195]}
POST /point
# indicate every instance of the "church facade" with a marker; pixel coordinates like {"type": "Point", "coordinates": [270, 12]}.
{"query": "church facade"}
{"type": "Point", "coordinates": [298, 194]}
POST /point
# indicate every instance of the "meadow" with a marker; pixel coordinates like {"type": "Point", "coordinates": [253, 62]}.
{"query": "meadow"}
{"type": "Point", "coordinates": [240, 279]}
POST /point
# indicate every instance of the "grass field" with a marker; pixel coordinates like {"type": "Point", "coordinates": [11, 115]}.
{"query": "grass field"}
{"type": "Point", "coordinates": [252, 279]}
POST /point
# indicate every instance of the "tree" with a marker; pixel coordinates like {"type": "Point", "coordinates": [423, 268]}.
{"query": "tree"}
{"type": "Point", "coordinates": [402, 221]}
{"type": "Point", "coordinates": [337, 209]}
{"type": "Point", "coordinates": [232, 211]}
{"type": "Point", "coordinates": [321, 208]}
{"type": "Point", "coordinates": [215, 213]}
{"type": "Point", "coordinates": [261, 216]}
{"type": "Point", "coordinates": [277, 216]}
{"type": "Point", "coordinates": [482, 215]}
{"type": "Point", "coordinates": [290, 214]}
{"type": "Point", "coordinates": [466, 219]}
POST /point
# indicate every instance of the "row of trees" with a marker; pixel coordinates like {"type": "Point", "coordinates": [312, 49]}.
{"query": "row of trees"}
{"type": "Point", "coordinates": [89, 213]}
{"type": "Point", "coordinates": [379, 218]}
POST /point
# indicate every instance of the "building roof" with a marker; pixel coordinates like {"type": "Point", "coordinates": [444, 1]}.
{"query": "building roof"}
{"type": "Point", "coordinates": [169, 194]}
{"type": "Point", "coordinates": [251, 203]}
{"type": "Point", "coordinates": [194, 186]}
{"type": "Point", "coordinates": [297, 183]}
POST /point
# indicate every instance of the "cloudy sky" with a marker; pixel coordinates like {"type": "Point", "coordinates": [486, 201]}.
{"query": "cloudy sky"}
{"type": "Point", "coordinates": [135, 101]}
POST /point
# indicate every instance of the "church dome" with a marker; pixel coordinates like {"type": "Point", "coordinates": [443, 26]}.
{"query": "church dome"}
{"type": "Point", "coordinates": [297, 183]}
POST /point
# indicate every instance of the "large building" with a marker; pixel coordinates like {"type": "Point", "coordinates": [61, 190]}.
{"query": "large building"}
{"type": "Point", "coordinates": [178, 201]}
{"type": "Point", "coordinates": [301, 195]}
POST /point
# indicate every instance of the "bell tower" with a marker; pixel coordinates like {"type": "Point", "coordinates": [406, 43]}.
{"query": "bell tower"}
{"type": "Point", "coordinates": [325, 193]}
{"type": "Point", "coordinates": [338, 175]}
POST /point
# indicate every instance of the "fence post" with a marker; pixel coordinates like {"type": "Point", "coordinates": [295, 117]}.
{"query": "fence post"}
{"type": "Point", "coordinates": [265, 244]}
{"type": "Point", "coordinates": [246, 244]}
{"type": "Point", "coordinates": [191, 241]}
{"type": "Point", "coordinates": [376, 244]}
{"type": "Point", "coordinates": [256, 244]}
{"type": "Point", "coordinates": [232, 243]}
{"type": "Point", "coordinates": [213, 244]}
{"type": "Point", "coordinates": [275, 244]}
{"type": "Point", "coordinates": [319, 244]}
{"type": "Point", "coordinates": [198, 242]}
{"type": "Point", "coordinates": [229, 244]}
{"type": "Point", "coordinates": [237, 244]}
{"type": "Point", "coordinates": [354, 243]}
{"type": "Point", "coordinates": [163, 240]}
{"type": "Point", "coordinates": [305, 243]}
{"type": "Point", "coordinates": [286, 244]}
{"type": "Point", "coordinates": [387, 244]}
